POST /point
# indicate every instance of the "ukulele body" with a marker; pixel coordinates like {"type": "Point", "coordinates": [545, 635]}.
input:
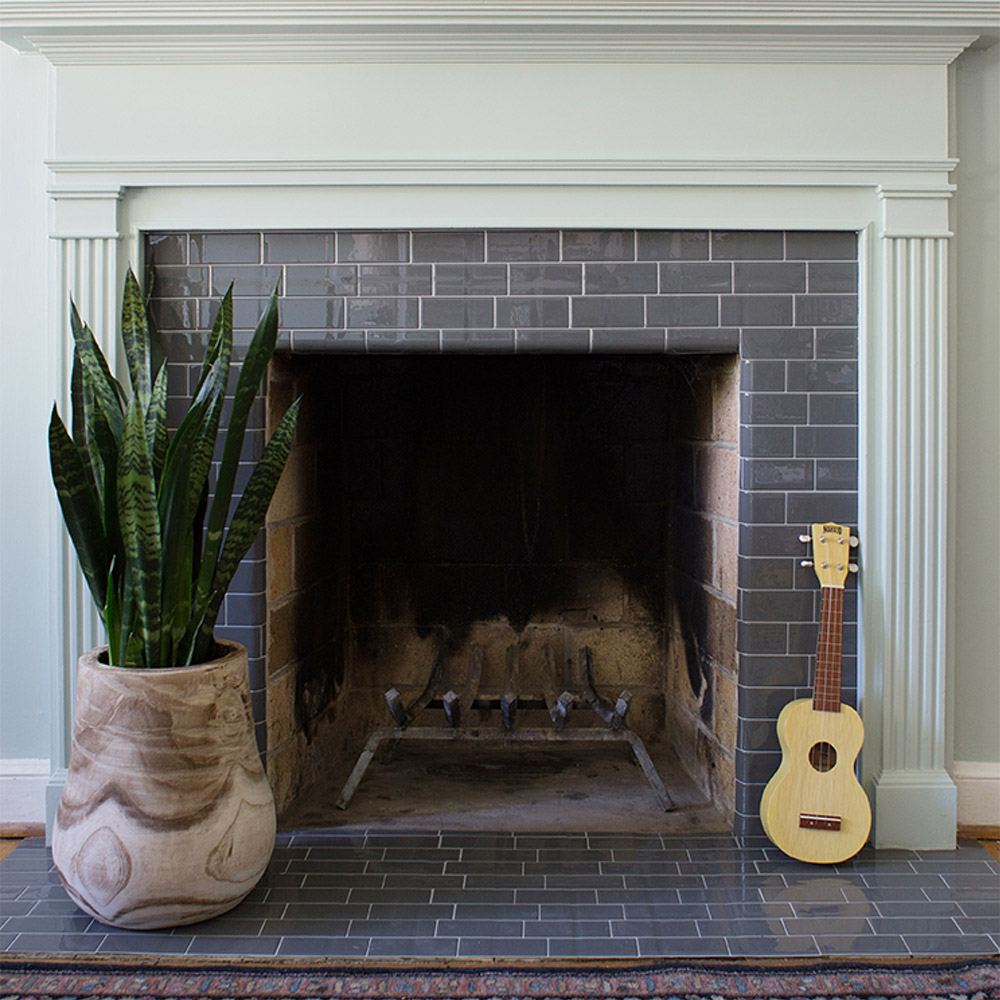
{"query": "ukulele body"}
{"type": "Point", "coordinates": [820, 796]}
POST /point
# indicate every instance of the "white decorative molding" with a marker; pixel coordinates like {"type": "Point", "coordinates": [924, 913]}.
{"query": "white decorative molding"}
{"type": "Point", "coordinates": [978, 785]}
{"type": "Point", "coordinates": [905, 616]}
{"type": "Point", "coordinates": [81, 32]}
{"type": "Point", "coordinates": [471, 47]}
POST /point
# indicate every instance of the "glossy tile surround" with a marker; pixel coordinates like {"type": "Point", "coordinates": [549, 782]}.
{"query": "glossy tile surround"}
{"type": "Point", "coordinates": [366, 893]}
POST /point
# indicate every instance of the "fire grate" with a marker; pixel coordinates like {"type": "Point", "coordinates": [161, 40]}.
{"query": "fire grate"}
{"type": "Point", "coordinates": [439, 693]}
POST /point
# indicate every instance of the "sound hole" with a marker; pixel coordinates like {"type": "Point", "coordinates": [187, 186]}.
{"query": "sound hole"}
{"type": "Point", "coordinates": [823, 756]}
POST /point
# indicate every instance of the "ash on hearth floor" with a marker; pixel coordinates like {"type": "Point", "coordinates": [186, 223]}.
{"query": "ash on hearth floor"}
{"type": "Point", "coordinates": [356, 892]}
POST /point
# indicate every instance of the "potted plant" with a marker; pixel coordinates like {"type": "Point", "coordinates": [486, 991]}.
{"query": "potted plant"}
{"type": "Point", "coordinates": [166, 816]}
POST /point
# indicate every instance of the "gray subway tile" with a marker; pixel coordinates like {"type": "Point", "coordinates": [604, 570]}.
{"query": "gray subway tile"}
{"type": "Point", "coordinates": [696, 340]}
{"type": "Point", "coordinates": [761, 508]}
{"type": "Point", "coordinates": [288, 248]}
{"type": "Point", "coordinates": [522, 244]}
{"type": "Point", "coordinates": [764, 947]}
{"type": "Point", "coordinates": [51, 942]}
{"type": "Point", "coordinates": [683, 310]}
{"type": "Point", "coordinates": [837, 342]}
{"type": "Point", "coordinates": [826, 442]}
{"type": "Point", "coordinates": [761, 376]}
{"type": "Point", "coordinates": [565, 928]}
{"type": "Point", "coordinates": [478, 341]}
{"type": "Point", "coordinates": [860, 944]}
{"type": "Point", "coordinates": [313, 314]}
{"type": "Point", "coordinates": [672, 244]}
{"type": "Point", "coordinates": [836, 474]}
{"type": "Point", "coordinates": [619, 279]}
{"type": "Point", "coordinates": [776, 474]}
{"type": "Point", "coordinates": [826, 310]}
{"type": "Point", "coordinates": [379, 313]}
{"type": "Point", "coordinates": [140, 944]}
{"type": "Point", "coordinates": [747, 245]}
{"type": "Point", "coordinates": [470, 279]}
{"type": "Point", "coordinates": [773, 408]}
{"type": "Point", "coordinates": [598, 244]}
{"type": "Point", "coordinates": [166, 248]}
{"type": "Point", "coordinates": [965, 944]}
{"type": "Point", "coordinates": [645, 340]}
{"type": "Point", "coordinates": [480, 928]}
{"type": "Point", "coordinates": [224, 248]}
{"type": "Point", "coordinates": [181, 282]}
{"type": "Point", "coordinates": [833, 408]}
{"type": "Point", "coordinates": [552, 341]}
{"type": "Point", "coordinates": [822, 376]}
{"type": "Point", "coordinates": [327, 341]}
{"type": "Point", "coordinates": [763, 441]}
{"type": "Point", "coordinates": [315, 279]}
{"type": "Point", "coordinates": [780, 343]}
{"type": "Point", "coordinates": [533, 312]}
{"type": "Point", "coordinates": [455, 313]}
{"type": "Point", "coordinates": [766, 574]}
{"type": "Point", "coordinates": [546, 279]}
{"type": "Point", "coordinates": [409, 341]}
{"type": "Point", "coordinates": [833, 276]}
{"type": "Point", "coordinates": [696, 276]}
{"type": "Point", "coordinates": [394, 279]}
{"type": "Point", "coordinates": [777, 276]}
{"type": "Point", "coordinates": [821, 246]}
{"type": "Point", "coordinates": [374, 246]}
{"type": "Point", "coordinates": [777, 606]}
{"type": "Point", "coordinates": [175, 315]}
{"type": "Point", "coordinates": [496, 911]}
{"type": "Point", "coordinates": [757, 310]}
{"type": "Point", "coordinates": [408, 929]}
{"type": "Point", "coordinates": [608, 310]}
{"type": "Point", "coordinates": [449, 245]}
{"type": "Point", "coordinates": [761, 637]}
{"type": "Point", "coordinates": [246, 279]}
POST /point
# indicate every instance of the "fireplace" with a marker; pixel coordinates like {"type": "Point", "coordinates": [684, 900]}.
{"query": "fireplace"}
{"type": "Point", "coordinates": [645, 117]}
{"type": "Point", "coordinates": [548, 440]}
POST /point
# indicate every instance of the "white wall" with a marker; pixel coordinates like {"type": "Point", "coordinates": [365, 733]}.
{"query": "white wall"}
{"type": "Point", "coordinates": [25, 400]}
{"type": "Point", "coordinates": [976, 364]}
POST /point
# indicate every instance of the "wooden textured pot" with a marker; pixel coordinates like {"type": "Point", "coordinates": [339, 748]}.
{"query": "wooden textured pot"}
{"type": "Point", "coordinates": [166, 817]}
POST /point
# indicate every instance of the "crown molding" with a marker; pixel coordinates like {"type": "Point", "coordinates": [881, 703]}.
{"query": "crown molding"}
{"type": "Point", "coordinates": [77, 178]}
{"type": "Point", "coordinates": [92, 32]}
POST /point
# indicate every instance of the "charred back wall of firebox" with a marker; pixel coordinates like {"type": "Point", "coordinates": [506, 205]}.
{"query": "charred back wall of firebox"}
{"type": "Point", "coordinates": [448, 502]}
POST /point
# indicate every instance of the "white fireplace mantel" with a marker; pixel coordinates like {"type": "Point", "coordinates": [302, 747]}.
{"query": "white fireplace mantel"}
{"type": "Point", "coordinates": [812, 115]}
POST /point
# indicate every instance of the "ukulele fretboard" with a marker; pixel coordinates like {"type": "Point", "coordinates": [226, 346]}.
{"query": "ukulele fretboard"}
{"type": "Point", "coordinates": [826, 693]}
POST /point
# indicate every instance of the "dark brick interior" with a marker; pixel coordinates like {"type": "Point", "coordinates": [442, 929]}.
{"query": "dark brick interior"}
{"type": "Point", "coordinates": [786, 301]}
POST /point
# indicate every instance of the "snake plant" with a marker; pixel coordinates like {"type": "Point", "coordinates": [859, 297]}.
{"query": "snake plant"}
{"type": "Point", "coordinates": [155, 550]}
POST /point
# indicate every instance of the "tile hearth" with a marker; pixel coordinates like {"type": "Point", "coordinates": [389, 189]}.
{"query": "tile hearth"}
{"type": "Point", "coordinates": [358, 893]}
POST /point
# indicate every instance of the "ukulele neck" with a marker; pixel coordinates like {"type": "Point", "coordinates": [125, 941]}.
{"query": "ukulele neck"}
{"type": "Point", "coordinates": [826, 693]}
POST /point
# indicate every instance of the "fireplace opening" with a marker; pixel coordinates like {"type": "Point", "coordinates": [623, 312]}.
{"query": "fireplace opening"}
{"type": "Point", "coordinates": [549, 508]}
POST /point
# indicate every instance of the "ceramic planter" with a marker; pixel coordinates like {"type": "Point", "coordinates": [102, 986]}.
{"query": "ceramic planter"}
{"type": "Point", "coordinates": [166, 817]}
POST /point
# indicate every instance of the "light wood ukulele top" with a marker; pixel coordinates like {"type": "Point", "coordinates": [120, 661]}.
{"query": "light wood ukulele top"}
{"type": "Point", "coordinates": [813, 808]}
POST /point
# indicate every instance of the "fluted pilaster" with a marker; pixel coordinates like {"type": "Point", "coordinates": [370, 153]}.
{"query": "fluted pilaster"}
{"type": "Point", "coordinates": [906, 619]}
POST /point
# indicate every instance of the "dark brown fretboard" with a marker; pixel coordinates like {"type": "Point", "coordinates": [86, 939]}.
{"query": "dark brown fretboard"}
{"type": "Point", "coordinates": [826, 693]}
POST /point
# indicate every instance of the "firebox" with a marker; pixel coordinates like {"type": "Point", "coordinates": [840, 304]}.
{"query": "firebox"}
{"type": "Point", "coordinates": [555, 445]}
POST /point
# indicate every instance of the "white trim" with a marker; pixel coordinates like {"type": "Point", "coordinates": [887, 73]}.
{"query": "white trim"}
{"type": "Point", "coordinates": [475, 46]}
{"type": "Point", "coordinates": [915, 809]}
{"type": "Point", "coordinates": [978, 784]}
{"type": "Point", "coordinates": [22, 789]}
{"type": "Point", "coordinates": [77, 32]}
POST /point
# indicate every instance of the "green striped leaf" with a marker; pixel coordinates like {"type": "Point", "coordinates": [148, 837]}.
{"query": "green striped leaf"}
{"type": "Point", "coordinates": [156, 424]}
{"type": "Point", "coordinates": [248, 518]}
{"type": "Point", "coordinates": [251, 373]}
{"type": "Point", "coordinates": [80, 507]}
{"type": "Point", "coordinates": [135, 339]}
{"type": "Point", "coordinates": [140, 528]}
{"type": "Point", "coordinates": [222, 330]}
{"type": "Point", "coordinates": [107, 391]}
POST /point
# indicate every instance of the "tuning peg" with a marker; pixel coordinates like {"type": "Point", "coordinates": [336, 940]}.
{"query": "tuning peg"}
{"type": "Point", "coordinates": [806, 562]}
{"type": "Point", "coordinates": [853, 568]}
{"type": "Point", "coordinates": [854, 541]}
{"type": "Point", "coordinates": [805, 538]}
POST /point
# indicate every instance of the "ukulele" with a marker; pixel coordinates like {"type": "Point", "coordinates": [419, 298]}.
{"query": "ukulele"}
{"type": "Point", "coordinates": [814, 809]}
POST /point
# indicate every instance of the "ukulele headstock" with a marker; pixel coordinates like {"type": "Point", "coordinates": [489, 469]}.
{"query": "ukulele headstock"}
{"type": "Point", "coordinates": [831, 546]}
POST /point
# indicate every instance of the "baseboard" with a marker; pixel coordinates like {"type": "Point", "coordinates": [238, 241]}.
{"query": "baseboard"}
{"type": "Point", "coordinates": [978, 784]}
{"type": "Point", "coordinates": [22, 791]}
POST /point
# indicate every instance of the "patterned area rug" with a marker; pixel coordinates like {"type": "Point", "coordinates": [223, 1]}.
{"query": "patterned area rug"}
{"type": "Point", "coordinates": [121, 977]}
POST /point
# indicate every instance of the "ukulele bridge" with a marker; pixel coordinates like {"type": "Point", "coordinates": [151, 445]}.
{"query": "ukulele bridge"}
{"type": "Point", "coordinates": [815, 821]}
